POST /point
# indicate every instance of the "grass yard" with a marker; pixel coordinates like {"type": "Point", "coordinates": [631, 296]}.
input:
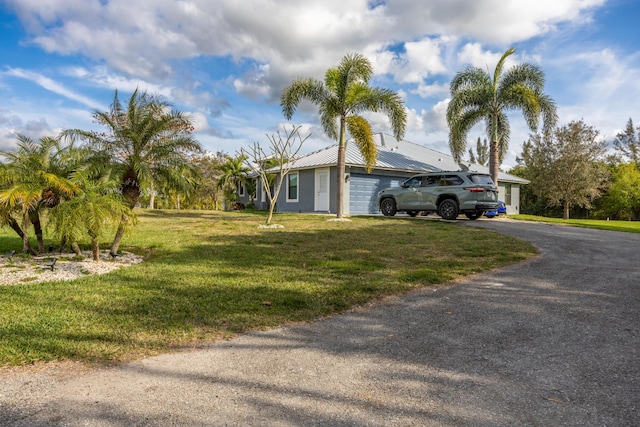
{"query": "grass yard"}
{"type": "Point", "coordinates": [210, 275]}
{"type": "Point", "coordinates": [624, 226]}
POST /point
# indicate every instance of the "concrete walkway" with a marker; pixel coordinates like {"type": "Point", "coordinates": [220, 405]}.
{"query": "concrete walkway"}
{"type": "Point", "coordinates": [554, 341]}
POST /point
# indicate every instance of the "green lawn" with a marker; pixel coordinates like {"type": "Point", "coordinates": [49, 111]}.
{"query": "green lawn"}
{"type": "Point", "coordinates": [210, 275]}
{"type": "Point", "coordinates": [625, 226]}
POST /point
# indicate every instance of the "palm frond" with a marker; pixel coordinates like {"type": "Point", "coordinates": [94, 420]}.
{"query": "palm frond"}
{"type": "Point", "coordinates": [360, 131]}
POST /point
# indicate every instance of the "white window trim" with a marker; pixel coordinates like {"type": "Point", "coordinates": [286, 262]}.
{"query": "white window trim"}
{"type": "Point", "coordinates": [241, 190]}
{"type": "Point", "coordinates": [297, 187]}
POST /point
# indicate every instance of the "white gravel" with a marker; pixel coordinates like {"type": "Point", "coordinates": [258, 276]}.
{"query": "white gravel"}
{"type": "Point", "coordinates": [19, 271]}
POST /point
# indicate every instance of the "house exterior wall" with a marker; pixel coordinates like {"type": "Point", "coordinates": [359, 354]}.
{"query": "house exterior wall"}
{"type": "Point", "coordinates": [243, 196]}
{"type": "Point", "coordinates": [513, 205]}
{"type": "Point", "coordinates": [306, 193]}
{"type": "Point", "coordinates": [514, 208]}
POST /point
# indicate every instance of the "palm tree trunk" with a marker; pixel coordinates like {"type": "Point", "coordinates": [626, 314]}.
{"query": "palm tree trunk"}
{"type": "Point", "coordinates": [494, 165]}
{"type": "Point", "coordinates": [119, 235]}
{"type": "Point", "coordinates": [341, 166]}
{"type": "Point", "coordinates": [494, 156]}
{"type": "Point", "coordinates": [11, 221]}
{"type": "Point", "coordinates": [152, 196]}
{"type": "Point", "coordinates": [132, 196]}
{"type": "Point", "coordinates": [26, 246]}
{"type": "Point", "coordinates": [95, 248]}
{"type": "Point", "coordinates": [34, 217]}
{"type": "Point", "coordinates": [75, 248]}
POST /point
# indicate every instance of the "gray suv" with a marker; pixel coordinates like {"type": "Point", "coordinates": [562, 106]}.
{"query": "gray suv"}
{"type": "Point", "coordinates": [447, 193]}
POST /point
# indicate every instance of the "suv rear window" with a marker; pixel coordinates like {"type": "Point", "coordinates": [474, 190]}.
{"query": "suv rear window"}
{"type": "Point", "coordinates": [481, 179]}
{"type": "Point", "coordinates": [451, 180]}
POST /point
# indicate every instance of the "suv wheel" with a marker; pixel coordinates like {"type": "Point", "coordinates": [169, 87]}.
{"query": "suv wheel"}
{"type": "Point", "coordinates": [448, 209]}
{"type": "Point", "coordinates": [388, 207]}
{"type": "Point", "coordinates": [473, 215]}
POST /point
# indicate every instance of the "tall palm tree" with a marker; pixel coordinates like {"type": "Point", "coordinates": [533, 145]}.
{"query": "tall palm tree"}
{"type": "Point", "coordinates": [476, 96]}
{"type": "Point", "coordinates": [36, 173]}
{"type": "Point", "coordinates": [341, 99]}
{"type": "Point", "coordinates": [147, 138]}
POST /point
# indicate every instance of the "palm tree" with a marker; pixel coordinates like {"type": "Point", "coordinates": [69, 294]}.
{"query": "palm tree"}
{"type": "Point", "coordinates": [92, 211]}
{"type": "Point", "coordinates": [344, 95]}
{"type": "Point", "coordinates": [146, 139]}
{"type": "Point", "coordinates": [233, 173]}
{"type": "Point", "coordinates": [476, 96]}
{"type": "Point", "coordinates": [36, 174]}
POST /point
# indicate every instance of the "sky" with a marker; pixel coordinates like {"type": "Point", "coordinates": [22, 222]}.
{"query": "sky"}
{"type": "Point", "coordinates": [226, 62]}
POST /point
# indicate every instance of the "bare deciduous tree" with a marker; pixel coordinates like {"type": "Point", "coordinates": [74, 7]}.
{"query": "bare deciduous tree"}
{"type": "Point", "coordinates": [283, 149]}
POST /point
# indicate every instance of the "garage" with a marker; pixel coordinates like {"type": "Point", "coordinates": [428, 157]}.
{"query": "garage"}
{"type": "Point", "coordinates": [363, 190]}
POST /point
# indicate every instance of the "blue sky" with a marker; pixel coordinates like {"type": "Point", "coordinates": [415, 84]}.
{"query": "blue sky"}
{"type": "Point", "coordinates": [225, 62]}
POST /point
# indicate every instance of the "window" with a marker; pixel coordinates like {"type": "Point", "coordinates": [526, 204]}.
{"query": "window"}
{"type": "Point", "coordinates": [430, 181]}
{"type": "Point", "coordinates": [452, 180]}
{"type": "Point", "coordinates": [481, 179]}
{"type": "Point", "coordinates": [292, 187]}
{"type": "Point", "coordinates": [507, 194]}
{"type": "Point", "coordinates": [241, 189]}
{"type": "Point", "coordinates": [412, 182]}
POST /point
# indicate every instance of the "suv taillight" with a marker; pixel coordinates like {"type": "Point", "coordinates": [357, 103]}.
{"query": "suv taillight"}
{"type": "Point", "coordinates": [475, 189]}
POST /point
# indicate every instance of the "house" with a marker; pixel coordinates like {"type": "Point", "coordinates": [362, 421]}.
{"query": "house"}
{"type": "Point", "coordinates": [310, 186]}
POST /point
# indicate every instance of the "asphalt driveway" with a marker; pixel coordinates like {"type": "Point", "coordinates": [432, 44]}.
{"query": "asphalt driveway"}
{"type": "Point", "coordinates": [554, 341]}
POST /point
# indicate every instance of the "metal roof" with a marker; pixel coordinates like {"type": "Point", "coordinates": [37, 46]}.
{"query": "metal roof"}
{"type": "Point", "coordinates": [396, 155]}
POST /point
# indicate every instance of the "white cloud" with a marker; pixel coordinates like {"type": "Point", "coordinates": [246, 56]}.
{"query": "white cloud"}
{"type": "Point", "coordinates": [602, 88]}
{"type": "Point", "coordinates": [431, 90]}
{"type": "Point", "coordinates": [435, 119]}
{"type": "Point", "coordinates": [144, 38]}
{"type": "Point", "coordinates": [103, 77]}
{"type": "Point", "coordinates": [475, 55]}
{"type": "Point", "coordinates": [493, 21]}
{"type": "Point", "coordinates": [53, 86]}
{"type": "Point", "coordinates": [11, 125]}
{"type": "Point", "coordinates": [414, 46]}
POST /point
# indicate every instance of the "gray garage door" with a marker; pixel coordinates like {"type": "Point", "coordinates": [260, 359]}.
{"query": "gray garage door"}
{"type": "Point", "coordinates": [364, 192]}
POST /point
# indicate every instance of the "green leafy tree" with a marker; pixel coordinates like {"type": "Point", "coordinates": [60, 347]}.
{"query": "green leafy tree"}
{"type": "Point", "coordinates": [622, 200]}
{"type": "Point", "coordinates": [208, 195]}
{"type": "Point", "coordinates": [565, 168]}
{"type": "Point", "coordinates": [628, 144]}
{"type": "Point", "coordinates": [477, 96]}
{"type": "Point", "coordinates": [144, 139]}
{"type": "Point", "coordinates": [35, 176]}
{"type": "Point", "coordinates": [344, 95]}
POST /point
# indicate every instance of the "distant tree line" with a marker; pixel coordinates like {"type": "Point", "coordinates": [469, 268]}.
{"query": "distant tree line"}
{"type": "Point", "coordinates": [575, 173]}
